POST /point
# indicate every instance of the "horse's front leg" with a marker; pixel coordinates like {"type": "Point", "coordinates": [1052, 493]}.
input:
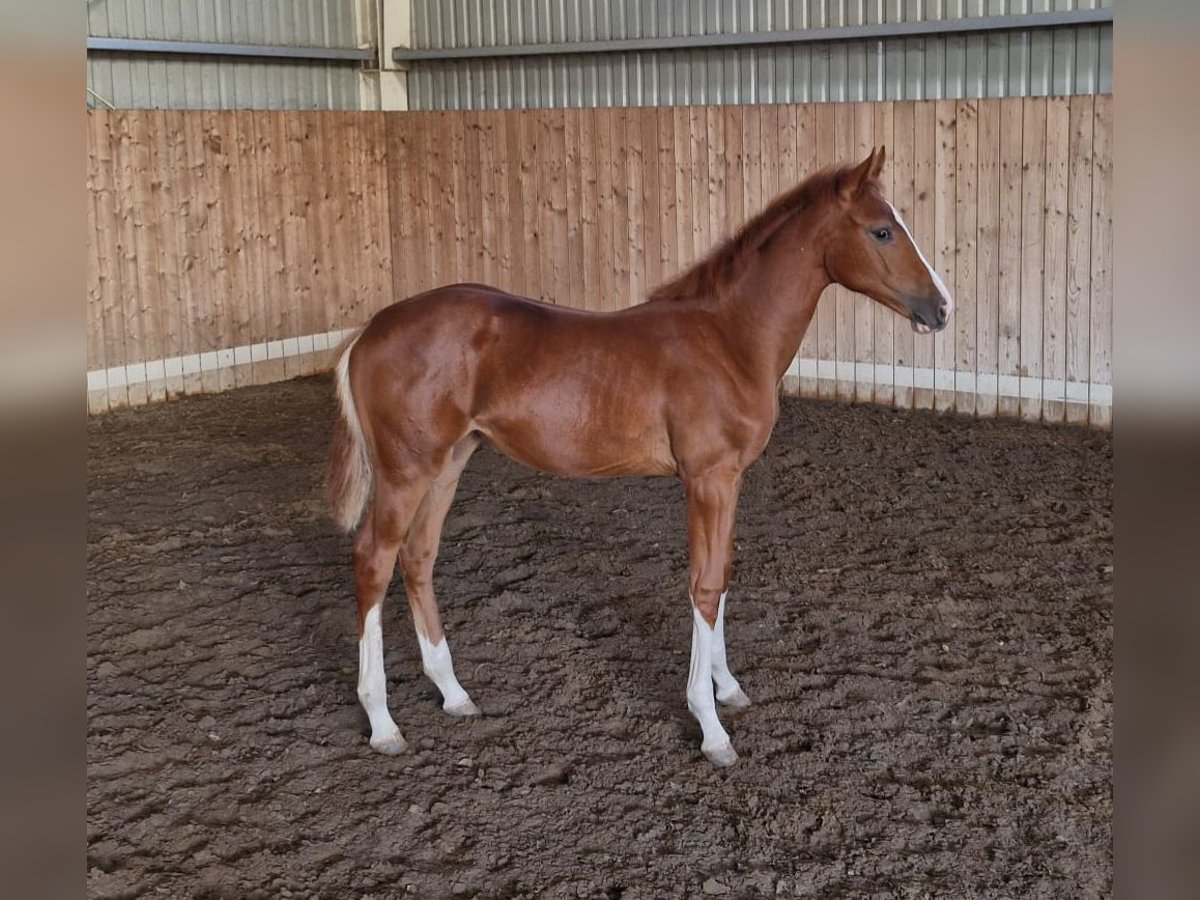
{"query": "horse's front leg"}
{"type": "Point", "coordinates": [712, 503]}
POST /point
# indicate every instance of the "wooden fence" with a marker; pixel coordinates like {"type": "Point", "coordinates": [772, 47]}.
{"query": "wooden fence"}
{"type": "Point", "coordinates": [230, 248]}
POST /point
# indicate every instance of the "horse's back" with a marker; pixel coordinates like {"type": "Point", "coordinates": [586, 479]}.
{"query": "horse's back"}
{"type": "Point", "coordinates": [560, 389]}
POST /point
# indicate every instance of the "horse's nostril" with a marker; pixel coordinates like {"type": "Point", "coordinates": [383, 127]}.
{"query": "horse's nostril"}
{"type": "Point", "coordinates": [943, 312]}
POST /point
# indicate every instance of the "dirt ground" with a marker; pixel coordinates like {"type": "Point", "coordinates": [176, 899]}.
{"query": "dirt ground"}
{"type": "Point", "coordinates": [921, 611]}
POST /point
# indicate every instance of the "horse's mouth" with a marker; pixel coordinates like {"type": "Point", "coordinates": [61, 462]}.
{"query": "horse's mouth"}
{"type": "Point", "coordinates": [921, 327]}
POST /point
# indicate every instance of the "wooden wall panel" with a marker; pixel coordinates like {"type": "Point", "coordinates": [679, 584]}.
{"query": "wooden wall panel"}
{"type": "Point", "coordinates": [230, 248]}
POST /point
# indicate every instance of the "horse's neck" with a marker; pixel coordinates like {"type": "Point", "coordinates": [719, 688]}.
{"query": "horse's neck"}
{"type": "Point", "coordinates": [770, 307]}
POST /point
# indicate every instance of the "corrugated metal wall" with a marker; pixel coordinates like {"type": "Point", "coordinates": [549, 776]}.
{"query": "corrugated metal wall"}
{"type": "Point", "coordinates": [1074, 60]}
{"type": "Point", "coordinates": [147, 82]}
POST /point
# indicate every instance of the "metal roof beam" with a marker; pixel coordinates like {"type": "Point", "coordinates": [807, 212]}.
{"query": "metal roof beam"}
{"type": "Point", "coordinates": [208, 48]}
{"type": "Point", "coordinates": [758, 38]}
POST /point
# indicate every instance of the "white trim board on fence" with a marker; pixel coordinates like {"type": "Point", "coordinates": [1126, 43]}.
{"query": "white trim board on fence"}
{"type": "Point", "coordinates": [112, 387]}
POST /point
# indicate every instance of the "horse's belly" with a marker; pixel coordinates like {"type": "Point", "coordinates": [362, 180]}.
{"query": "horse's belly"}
{"type": "Point", "coordinates": [563, 446]}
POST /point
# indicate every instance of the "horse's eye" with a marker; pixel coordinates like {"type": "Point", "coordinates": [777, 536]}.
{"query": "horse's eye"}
{"type": "Point", "coordinates": [882, 234]}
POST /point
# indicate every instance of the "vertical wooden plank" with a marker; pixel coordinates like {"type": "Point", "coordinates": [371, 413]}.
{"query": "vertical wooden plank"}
{"type": "Point", "coordinates": [652, 193]}
{"type": "Point", "coordinates": [1032, 238]}
{"type": "Point", "coordinates": [169, 263]}
{"type": "Point", "coordinates": [1100, 412]}
{"type": "Point", "coordinates": [684, 255]}
{"type": "Point", "coordinates": [922, 224]}
{"type": "Point", "coordinates": [717, 166]}
{"type": "Point", "coordinates": [605, 212]}
{"type": "Point", "coordinates": [863, 307]}
{"type": "Point", "coordinates": [488, 226]}
{"type": "Point", "coordinates": [530, 160]}
{"type": "Point", "coordinates": [589, 144]}
{"type": "Point", "coordinates": [147, 216]}
{"type": "Point", "coordinates": [789, 163]}
{"type": "Point", "coordinates": [544, 135]}
{"type": "Point", "coordinates": [843, 299]}
{"type": "Point", "coordinates": [340, 244]}
{"type": "Point", "coordinates": [270, 152]}
{"type": "Point", "coordinates": [426, 146]}
{"type": "Point", "coordinates": [884, 320]}
{"type": "Point", "coordinates": [235, 321]}
{"type": "Point", "coordinates": [401, 202]}
{"type": "Point", "coordinates": [1011, 162]}
{"type": "Point", "coordinates": [944, 246]}
{"type": "Point", "coordinates": [807, 164]}
{"type": "Point", "coordinates": [109, 315]}
{"type": "Point", "coordinates": [700, 192]}
{"type": "Point", "coordinates": [573, 196]}
{"type": "Point", "coordinates": [357, 276]}
{"type": "Point", "coordinates": [668, 230]}
{"type": "Point", "coordinates": [1054, 326]}
{"type": "Point", "coordinates": [554, 157]}
{"type": "Point", "coordinates": [237, 329]}
{"type": "Point", "coordinates": [903, 198]}
{"type": "Point", "coordinates": [459, 198]}
{"type": "Point", "coordinates": [734, 164]}
{"type": "Point", "coordinates": [471, 202]}
{"type": "Point", "coordinates": [770, 157]}
{"type": "Point", "coordinates": [635, 189]}
{"type": "Point", "coordinates": [437, 189]}
{"type": "Point", "coordinates": [197, 277]}
{"type": "Point", "coordinates": [502, 166]}
{"type": "Point", "coordinates": [379, 224]}
{"type": "Point", "coordinates": [304, 191]}
{"type": "Point", "coordinates": [97, 397]}
{"type": "Point", "coordinates": [752, 193]}
{"type": "Point", "coordinates": [966, 185]}
{"type": "Point", "coordinates": [618, 161]}
{"type": "Point", "coordinates": [987, 318]}
{"type": "Point", "coordinates": [211, 150]}
{"type": "Point", "coordinates": [1079, 258]}
{"type": "Point", "coordinates": [132, 293]}
{"type": "Point", "coordinates": [251, 240]}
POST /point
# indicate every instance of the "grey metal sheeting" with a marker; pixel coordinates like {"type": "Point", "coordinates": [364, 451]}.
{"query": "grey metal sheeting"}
{"type": "Point", "coordinates": [173, 81]}
{"type": "Point", "coordinates": [1068, 60]}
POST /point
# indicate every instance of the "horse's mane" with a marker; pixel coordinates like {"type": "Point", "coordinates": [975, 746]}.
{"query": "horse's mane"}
{"type": "Point", "coordinates": [726, 262]}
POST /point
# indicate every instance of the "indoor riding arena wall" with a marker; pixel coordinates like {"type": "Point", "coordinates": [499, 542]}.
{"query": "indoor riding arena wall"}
{"type": "Point", "coordinates": [241, 247]}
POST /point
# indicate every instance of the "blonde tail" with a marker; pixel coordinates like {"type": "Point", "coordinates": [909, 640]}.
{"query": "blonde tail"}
{"type": "Point", "coordinates": [350, 477]}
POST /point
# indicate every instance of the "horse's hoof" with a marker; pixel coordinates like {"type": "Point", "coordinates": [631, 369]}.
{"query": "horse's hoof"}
{"type": "Point", "coordinates": [722, 755]}
{"type": "Point", "coordinates": [736, 700]}
{"type": "Point", "coordinates": [463, 708]}
{"type": "Point", "coordinates": [389, 744]}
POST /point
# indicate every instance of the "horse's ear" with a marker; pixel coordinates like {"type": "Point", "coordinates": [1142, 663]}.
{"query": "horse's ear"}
{"type": "Point", "coordinates": [864, 174]}
{"type": "Point", "coordinates": [880, 157]}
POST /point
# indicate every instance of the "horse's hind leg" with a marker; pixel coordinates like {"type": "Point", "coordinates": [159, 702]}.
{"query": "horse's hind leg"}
{"type": "Point", "coordinates": [417, 556]}
{"type": "Point", "coordinates": [729, 692]}
{"type": "Point", "coordinates": [375, 548]}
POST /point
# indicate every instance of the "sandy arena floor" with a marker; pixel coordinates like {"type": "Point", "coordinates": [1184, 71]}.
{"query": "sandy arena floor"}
{"type": "Point", "coordinates": [921, 610]}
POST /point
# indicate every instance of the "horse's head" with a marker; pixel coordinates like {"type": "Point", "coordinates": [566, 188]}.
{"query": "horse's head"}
{"type": "Point", "coordinates": [871, 250]}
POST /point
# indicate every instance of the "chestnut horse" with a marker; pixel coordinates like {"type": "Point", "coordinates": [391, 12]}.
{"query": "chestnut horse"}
{"type": "Point", "coordinates": [684, 384]}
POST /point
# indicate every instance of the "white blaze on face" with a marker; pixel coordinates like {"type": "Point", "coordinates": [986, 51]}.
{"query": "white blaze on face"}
{"type": "Point", "coordinates": [937, 279]}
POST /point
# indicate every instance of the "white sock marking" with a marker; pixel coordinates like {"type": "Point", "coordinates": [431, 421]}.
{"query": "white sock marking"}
{"type": "Point", "coordinates": [372, 682]}
{"type": "Point", "coordinates": [727, 685]}
{"type": "Point", "coordinates": [436, 661]}
{"type": "Point", "coordinates": [937, 279]}
{"type": "Point", "coordinates": [700, 685]}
